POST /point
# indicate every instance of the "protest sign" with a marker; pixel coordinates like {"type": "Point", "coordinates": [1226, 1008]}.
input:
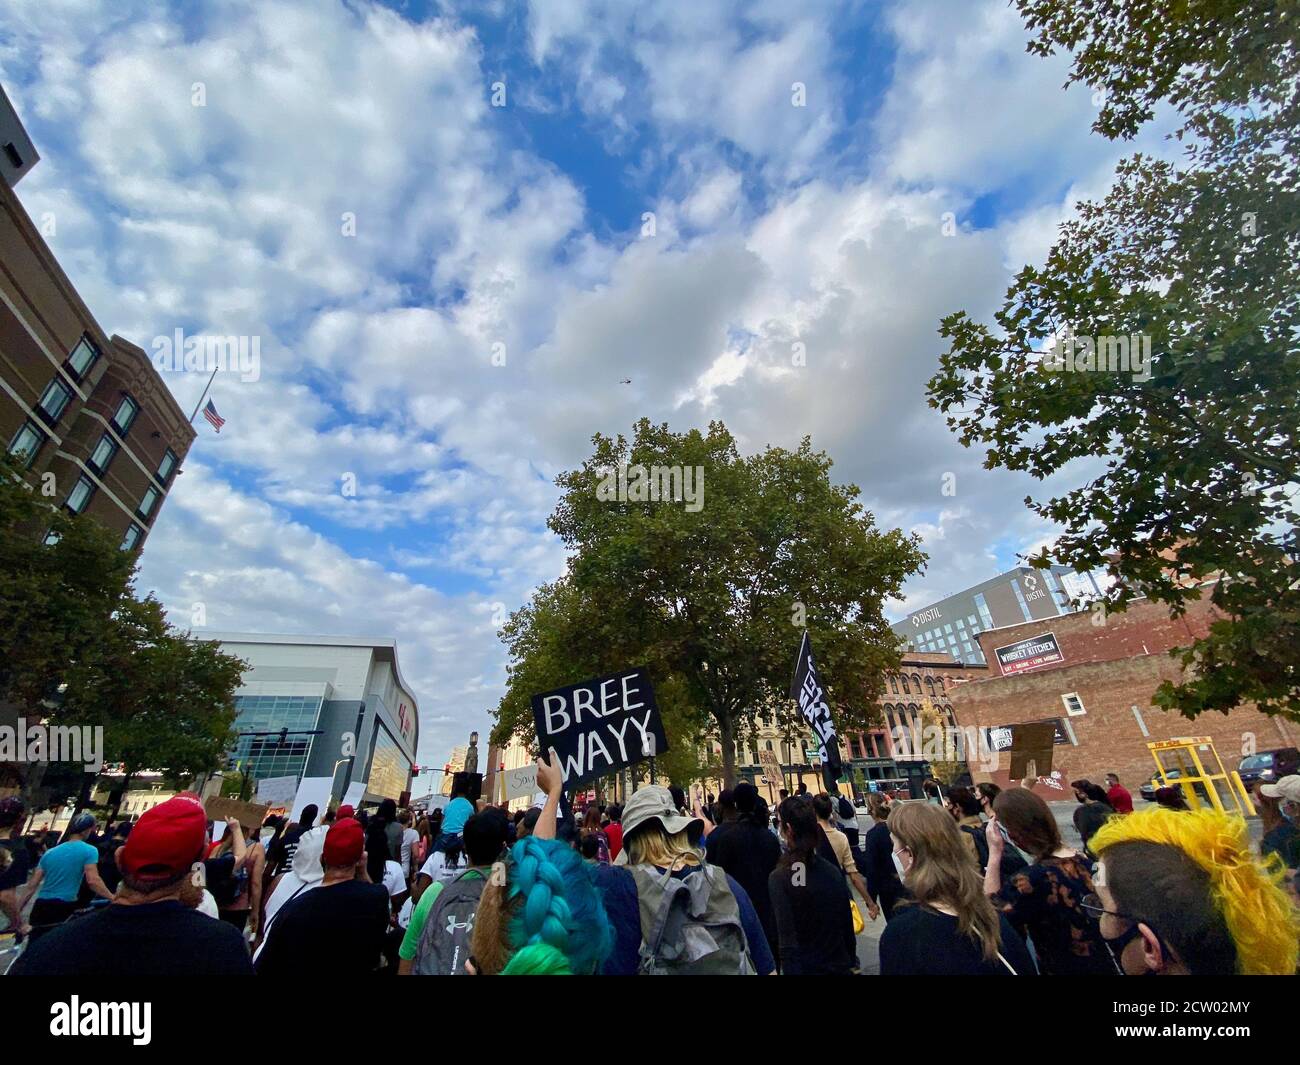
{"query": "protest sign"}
{"type": "Point", "coordinates": [246, 813]}
{"type": "Point", "coordinates": [277, 791]}
{"type": "Point", "coordinates": [600, 725]}
{"type": "Point", "coordinates": [1032, 742]}
{"type": "Point", "coordinates": [520, 783]}
{"type": "Point", "coordinates": [771, 768]}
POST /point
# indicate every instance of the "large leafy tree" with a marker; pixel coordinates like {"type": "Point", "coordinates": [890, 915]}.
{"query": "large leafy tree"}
{"type": "Point", "coordinates": [78, 648]}
{"type": "Point", "coordinates": [164, 699]}
{"type": "Point", "coordinates": [57, 600]}
{"type": "Point", "coordinates": [713, 600]}
{"type": "Point", "coordinates": [1202, 255]}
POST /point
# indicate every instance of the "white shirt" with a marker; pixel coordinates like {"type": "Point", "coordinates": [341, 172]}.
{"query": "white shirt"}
{"type": "Point", "coordinates": [394, 878]}
{"type": "Point", "coordinates": [436, 868]}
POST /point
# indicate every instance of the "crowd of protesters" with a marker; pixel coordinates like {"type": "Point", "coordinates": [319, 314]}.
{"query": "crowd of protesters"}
{"type": "Point", "coordinates": [971, 881]}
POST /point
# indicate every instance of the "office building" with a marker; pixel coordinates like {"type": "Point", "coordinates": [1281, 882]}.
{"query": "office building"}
{"type": "Point", "coordinates": [332, 711]}
{"type": "Point", "coordinates": [87, 414]}
{"type": "Point", "coordinates": [950, 625]}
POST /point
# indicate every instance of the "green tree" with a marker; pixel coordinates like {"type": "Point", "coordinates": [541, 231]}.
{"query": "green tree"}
{"type": "Point", "coordinates": [57, 600]}
{"type": "Point", "coordinates": [1194, 467]}
{"type": "Point", "coordinates": [164, 699]}
{"type": "Point", "coordinates": [80, 649]}
{"type": "Point", "coordinates": [713, 600]}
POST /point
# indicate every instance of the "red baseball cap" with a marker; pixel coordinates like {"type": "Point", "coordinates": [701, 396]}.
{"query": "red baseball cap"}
{"type": "Point", "coordinates": [345, 842]}
{"type": "Point", "coordinates": [345, 811]}
{"type": "Point", "coordinates": [167, 840]}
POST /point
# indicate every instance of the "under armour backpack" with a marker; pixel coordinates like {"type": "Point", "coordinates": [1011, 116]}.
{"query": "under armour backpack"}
{"type": "Point", "coordinates": [689, 924]}
{"type": "Point", "coordinates": [444, 940]}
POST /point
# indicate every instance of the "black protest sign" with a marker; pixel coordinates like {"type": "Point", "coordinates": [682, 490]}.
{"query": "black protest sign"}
{"type": "Point", "coordinates": [599, 725]}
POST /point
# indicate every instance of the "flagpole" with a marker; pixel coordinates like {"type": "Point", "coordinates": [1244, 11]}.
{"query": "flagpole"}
{"type": "Point", "coordinates": [205, 394]}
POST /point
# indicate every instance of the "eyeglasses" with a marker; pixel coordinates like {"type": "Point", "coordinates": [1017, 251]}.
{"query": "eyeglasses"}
{"type": "Point", "coordinates": [1094, 907]}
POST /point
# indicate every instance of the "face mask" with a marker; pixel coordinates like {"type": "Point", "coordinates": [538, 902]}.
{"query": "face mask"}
{"type": "Point", "coordinates": [1291, 812]}
{"type": "Point", "coordinates": [898, 864]}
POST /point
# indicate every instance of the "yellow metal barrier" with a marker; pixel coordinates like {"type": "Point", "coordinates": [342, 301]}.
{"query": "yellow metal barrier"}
{"type": "Point", "coordinates": [1200, 775]}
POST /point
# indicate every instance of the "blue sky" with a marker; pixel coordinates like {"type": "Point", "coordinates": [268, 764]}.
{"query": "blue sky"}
{"type": "Point", "coordinates": [519, 230]}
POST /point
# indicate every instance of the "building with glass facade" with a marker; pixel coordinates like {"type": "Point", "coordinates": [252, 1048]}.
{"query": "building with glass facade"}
{"type": "Point", "coordinates": [950, 625]}
{"type": "Point", "coordinates": [332, 711]}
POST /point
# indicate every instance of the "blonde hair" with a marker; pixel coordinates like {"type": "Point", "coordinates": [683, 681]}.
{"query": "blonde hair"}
{"type": "Point", "coordinates": [944, 872]}
{"type": "Point", "coordinates": [1243, 891]}
{"type": "Point", "coordinates": [489, 939]}
{"type": "Point", "coordinates": [651, 845]}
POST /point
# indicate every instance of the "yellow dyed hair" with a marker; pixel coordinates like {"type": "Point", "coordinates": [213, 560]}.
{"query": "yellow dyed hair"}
{"type": "Point", "coordinates": [1257, 911]}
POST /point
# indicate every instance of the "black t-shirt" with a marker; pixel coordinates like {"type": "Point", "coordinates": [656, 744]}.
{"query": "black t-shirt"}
{"type": "Point", "coordinates": [748, 852]}
{"type": "Point", "coordinates": [922, 942]}
{"type": "Point", "coordinates": [21, 853]}
{"type": "Point", "coordinates": [282, 850]}
{"type": "Point", "coordinates": [332, 931]}
{"type": "Point", "coordinates": [883, 884]}
{"type": "Point", "coordinates": [154, 939]}
{"type": "Point", "coordinates": [813, 921]}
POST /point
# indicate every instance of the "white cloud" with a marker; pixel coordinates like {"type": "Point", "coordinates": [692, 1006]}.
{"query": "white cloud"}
{"type": "Point", "coordinates": [378, 348]}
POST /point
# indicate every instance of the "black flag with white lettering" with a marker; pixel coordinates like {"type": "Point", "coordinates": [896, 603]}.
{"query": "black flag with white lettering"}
{"type": "Point", "coordinates": [808, 692]}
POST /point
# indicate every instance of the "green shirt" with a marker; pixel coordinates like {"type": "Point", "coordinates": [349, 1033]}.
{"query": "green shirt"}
{"type": "Point", "coordinates": [419, 914]}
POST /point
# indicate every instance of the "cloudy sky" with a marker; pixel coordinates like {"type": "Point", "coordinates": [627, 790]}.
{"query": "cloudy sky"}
{"type": "Point", "coordinates": [447, 293]}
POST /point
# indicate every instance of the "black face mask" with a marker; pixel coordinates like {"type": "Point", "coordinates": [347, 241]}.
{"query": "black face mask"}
{"type": "Point", "coordinates": [1117, 945]}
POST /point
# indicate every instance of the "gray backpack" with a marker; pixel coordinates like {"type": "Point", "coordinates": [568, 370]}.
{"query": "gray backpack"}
{"type": "Point", "coordinates": [444, 940]}
{"type": "Point", "coordinates": [690, 925]}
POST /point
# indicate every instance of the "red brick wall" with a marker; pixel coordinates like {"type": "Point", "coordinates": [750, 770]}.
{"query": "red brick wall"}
{"type": "Point", "coordinates": [1106, 667]}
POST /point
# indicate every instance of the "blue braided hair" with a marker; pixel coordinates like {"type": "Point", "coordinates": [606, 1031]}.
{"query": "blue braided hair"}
{"type": "Point", "coordinates": [560, 909]}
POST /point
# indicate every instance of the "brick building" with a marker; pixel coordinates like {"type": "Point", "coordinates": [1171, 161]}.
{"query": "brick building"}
{"type": "Point", "coordinates": [88, 413]}
{"type": "Point", "coordinates": [1096, 680]}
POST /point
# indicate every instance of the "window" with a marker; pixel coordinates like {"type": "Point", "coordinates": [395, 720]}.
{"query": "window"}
{"type": "Point", "coordinates": [769, 745]}
{"type": "Point", "coordinates": [82, 358]}
{"type": "Point", "coordinates": [1073, 704]}
{"type": "Point", "coordinates": [26, 443]}
{"type": "Point", "coordinates": [126, 412]}
{"type": "Point", "coordinates": [916, 682]}
{"type": "Point", "coordinates": [103, 453]}
{"type": "Point", "coordinates": [80, 495]}
{"type": "Point", "coordinates": [54, 401]}
{"type": "Point", "coordinates": [893, 684]}
{"type": "Point", "coordinates": [929, 686]}
{"type": "Point", "coordinates": [1020, 600]}
{"type": "Point", "coordinates": [132, 537]}
{"type": "Point", "coordinates": [906, 690]}
{"type": "Point", "coordinates": [166, 466]}
{"type": "Point", "coordinates": [982, 606]}
{"type": "Point", "coordinates": [147, 502]}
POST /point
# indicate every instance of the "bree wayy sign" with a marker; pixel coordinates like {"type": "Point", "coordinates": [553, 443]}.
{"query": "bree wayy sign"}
{"type": "Point", "coordinates": [601, 724]}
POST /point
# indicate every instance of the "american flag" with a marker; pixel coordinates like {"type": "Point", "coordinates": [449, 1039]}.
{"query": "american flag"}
{"type": "Point", "coordinates": [210, 412]}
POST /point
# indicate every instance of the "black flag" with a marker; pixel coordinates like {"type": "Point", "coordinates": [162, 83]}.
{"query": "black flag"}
{"type": "Point", "coordinates": [808, 692]}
